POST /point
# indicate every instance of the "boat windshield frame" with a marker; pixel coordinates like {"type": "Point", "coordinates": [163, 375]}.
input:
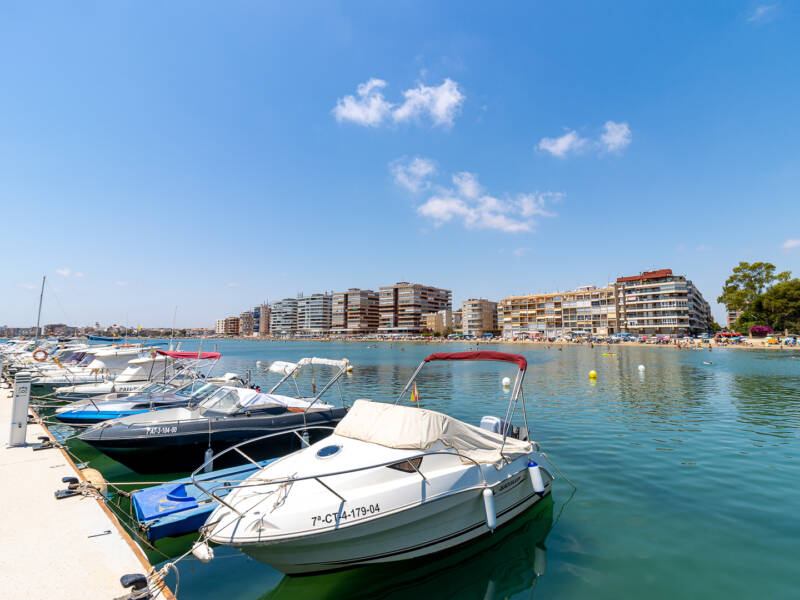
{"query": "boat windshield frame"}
{"type": "Point", "coordinates": [309, 362]}
{"type": "Point", "coordinates": [211, 403]}
{"type": "Point", "coordinates": [516, 392]}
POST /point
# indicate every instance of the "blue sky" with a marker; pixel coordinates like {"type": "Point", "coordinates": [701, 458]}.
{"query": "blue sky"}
{"type": "Point", "coordinates": [211, 156]}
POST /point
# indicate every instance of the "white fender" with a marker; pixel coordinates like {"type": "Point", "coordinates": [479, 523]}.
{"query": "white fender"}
{"type": "Point", "coordinates": [203, 552]}
{"type": "Point", "coordinates": [536, 477]}
{"type": "Point", "coordinates": [488, 503]}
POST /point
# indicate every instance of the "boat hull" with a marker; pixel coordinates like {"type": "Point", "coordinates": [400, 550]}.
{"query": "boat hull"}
{"type": "Point", "coordinates": [170, 447]}
{"type": "Point", "coordinates": [425, 529]}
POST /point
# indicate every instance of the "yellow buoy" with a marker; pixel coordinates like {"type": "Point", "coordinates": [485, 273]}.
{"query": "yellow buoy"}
{"type": "Point", "coordinates": [95, 477]}
{"type": "Point", "coordinates": [592, 374]}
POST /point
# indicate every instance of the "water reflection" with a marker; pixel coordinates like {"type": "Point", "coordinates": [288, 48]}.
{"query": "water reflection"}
{"type": "Point", "coordinates": [499, 565]}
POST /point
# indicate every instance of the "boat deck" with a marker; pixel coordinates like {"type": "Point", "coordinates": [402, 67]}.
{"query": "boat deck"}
{"type": "Point", "coordinates": [57, 548]}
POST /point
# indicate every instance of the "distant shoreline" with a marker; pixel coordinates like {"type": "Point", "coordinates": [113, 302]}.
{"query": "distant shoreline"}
{"type": "Point", "coordinates": [750, 344]}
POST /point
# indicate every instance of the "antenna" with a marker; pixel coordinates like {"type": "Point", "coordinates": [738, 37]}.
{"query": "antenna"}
{"type": "Point", "coordinates": [39, 315]}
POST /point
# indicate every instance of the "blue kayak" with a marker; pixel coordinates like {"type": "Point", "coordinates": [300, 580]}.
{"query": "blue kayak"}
{"type": "Point", "coordinates": [179, 507]}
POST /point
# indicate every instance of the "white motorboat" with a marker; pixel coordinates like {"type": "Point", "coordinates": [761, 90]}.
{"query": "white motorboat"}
{"type": "Point", "coordinates": [391, 483]}
{"type": "Point", "coordinates": [107, 364]}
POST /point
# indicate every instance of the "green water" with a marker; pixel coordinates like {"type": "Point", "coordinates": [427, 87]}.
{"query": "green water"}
{"type": "Point", "coordinates": [687, 475]}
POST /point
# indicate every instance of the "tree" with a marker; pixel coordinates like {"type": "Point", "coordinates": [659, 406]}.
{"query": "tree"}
{"type": "Point", "coordinates": [747, 282]}
{"type": "Point", "coordinates": [715, 327]}
{"type": "Point", "coordinates": [780, 305]}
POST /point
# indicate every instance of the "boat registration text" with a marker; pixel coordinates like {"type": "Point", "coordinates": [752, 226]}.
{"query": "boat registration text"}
{"type": "Point", "coordinates": [353, 513]}
{"type": "Point", "coordinates": [161, 430]}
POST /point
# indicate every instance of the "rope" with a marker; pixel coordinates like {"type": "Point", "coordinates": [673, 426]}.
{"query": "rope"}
{"type": "Point", "coordinates": [560, 472]}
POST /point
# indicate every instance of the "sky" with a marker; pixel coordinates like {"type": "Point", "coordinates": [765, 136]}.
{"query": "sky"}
{"type": "Point", "coordinates": [211, 156]}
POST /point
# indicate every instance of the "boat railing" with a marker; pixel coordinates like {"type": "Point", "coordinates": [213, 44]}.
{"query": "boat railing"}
{"type": "Point", "coordinates": [317, 476]}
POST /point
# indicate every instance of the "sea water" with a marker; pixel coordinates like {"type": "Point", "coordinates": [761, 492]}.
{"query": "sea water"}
{"type": "Point", "coordinates": [687, 476]}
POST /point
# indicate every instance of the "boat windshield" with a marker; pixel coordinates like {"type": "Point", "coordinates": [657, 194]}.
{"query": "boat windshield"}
{"type": "Point", "coordinates": [152, 388]}
{"type": "Point", "coordinates": [204, 391]}
{"type": "Point", "coordinates": [222, 400]}
{"type": "Point", "coordinates": [194, 389]}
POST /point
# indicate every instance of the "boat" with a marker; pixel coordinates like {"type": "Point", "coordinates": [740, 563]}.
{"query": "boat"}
{"type": "Point", "coordinates": [180, 507]}
{"type": "Point", "coordinates": [171, 368]}
{"type": "Point", "coordinates": [105, 364]}
{"type": "Point", "coordinates": [177, 439]}
{"type": "Point", "coordinates": [391, 482]}
{"type": "Point", "coordinates": [90, 412]}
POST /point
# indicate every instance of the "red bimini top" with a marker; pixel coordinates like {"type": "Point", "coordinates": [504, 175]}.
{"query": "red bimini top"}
{"type": "Point", "coordinates": [517, 359]}
{"type": "Point", "coordinates": [190, 355]}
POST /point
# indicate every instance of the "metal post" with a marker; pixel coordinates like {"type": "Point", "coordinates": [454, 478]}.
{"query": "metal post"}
{"type": "Point", "coordinates": [19, 412]}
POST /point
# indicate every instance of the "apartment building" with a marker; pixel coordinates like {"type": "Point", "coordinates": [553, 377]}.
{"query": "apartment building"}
{"type": "Point", "coordinates": [219, 327]}
{"type": "Point", "coordinates": [661, 303]}
{"type": "Point", "coordinates": [457, 320]}
{"type": "Point", "coordinates": [261, 320]}
{"type": "Point", "coordinates": [283, 317]}
{"type": "Point", "coordinates": [585, 310]}
{"type": "Point", "coordinates": [246, 324]}
{"type": "Point", "coordinates": [478, 316]}
{"type": "Point", "coordinates": [440, 321]}
{"type": "Point", "coordinates": [402, 305]}
{"type": "Point", "coordinates": [231, 326]}
{"type": "Point", "coordinates": [314, 314]}
{"type": "Point", "coordinates": [354, 312]}
{"type": "Point", "coordinates": [732, 315]}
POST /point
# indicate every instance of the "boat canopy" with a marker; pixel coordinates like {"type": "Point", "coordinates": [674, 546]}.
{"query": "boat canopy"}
{"type": "Point", "coordinates": [324, 361]}
{"type": "Point", "coordinates": [405, 427]}
{"type": "Point", "coordinates": [283, 367]}
{"type": "Point", "coordinates": [190, 355]}
{"type": "Point", "coordinates": [517, 359]}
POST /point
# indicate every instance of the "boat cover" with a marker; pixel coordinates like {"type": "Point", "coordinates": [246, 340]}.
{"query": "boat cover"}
{"type": "Point", "coordinates": [287, 401]}
{"type": "Point", "coordinates": [406, 427]}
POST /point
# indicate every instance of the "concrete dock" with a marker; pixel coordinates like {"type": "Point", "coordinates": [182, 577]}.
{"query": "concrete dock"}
{"type": "Point", "coordinates": [70, 548]}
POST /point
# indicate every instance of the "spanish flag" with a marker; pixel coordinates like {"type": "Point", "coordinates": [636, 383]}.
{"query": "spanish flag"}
{"type": "Point", "coordinates": [414, 393]}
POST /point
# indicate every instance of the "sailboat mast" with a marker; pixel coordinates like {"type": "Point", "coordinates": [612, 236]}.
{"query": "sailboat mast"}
{"type": "Point", "coordinates": [39, 315]}
{"type": "Point", "coordinates": [172, 335]}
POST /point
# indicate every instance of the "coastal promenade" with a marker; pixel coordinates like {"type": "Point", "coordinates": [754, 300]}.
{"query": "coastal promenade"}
{"type": "Point", "coordinates": [70, 548]}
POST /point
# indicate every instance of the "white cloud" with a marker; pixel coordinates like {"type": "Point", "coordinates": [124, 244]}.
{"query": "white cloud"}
{"type": "Point", "coordinates": [561, 146]}
{"type": "Point", "coordinates": [27, 286]}
{"type": "Point", "coordinates": [466, 202]}
{"type": "Point", "coordinates": [533, 205]}
{"type": "Point", "coordinates": [121, 283]}
{"type": "Point", "coordinates": [412, 175]}
{"type": "Point", "coordinates": [232, 284]}
{"type": "Point", "coordinates": [440, 103]}
{"type": "Point", "coordinates": [616, 137]}
{"type": "Point", "coordinates": [78, 274]}
{"type": "Point", "coordinates": [762, 13]}
{"type": "Point", "coordinates": [791, 244]}
{"type": "Point", "coordinates": [370, 108]}
{"type": "Point", "coordinates": [703, 247]}
{"type": "Point", "coordinates": [521, 251]}
{"type": "Point", "coordinates": [65, 272]}
{"type": "Point", "coordinates": [467, 185]}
